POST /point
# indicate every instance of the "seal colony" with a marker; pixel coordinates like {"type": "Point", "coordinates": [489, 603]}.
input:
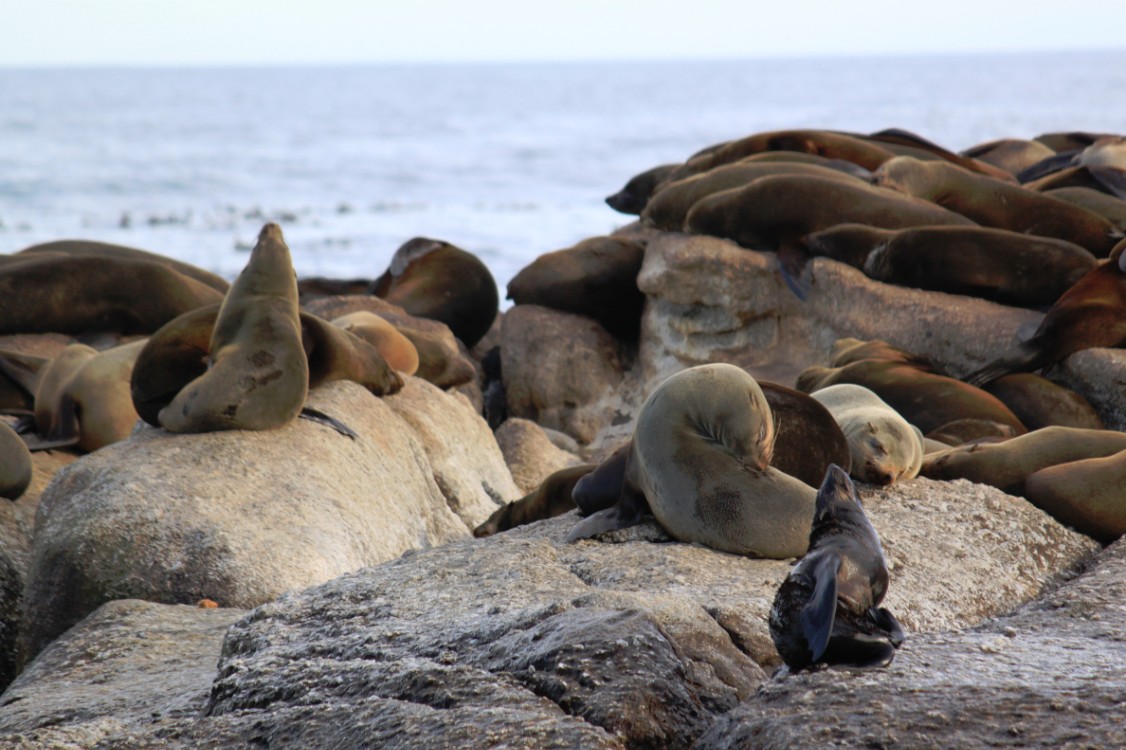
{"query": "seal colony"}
{"type": "Point", "coordinates": [717, 457]}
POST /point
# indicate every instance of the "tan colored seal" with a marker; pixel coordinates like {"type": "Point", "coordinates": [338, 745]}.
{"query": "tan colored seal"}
{"type": "Point", "coordinates": [885, 447]}
{"type": "Point", "coordinates": [396, 348]}
{"type": "Point", "coordinates": [1086, 495]}
{"type": "Point", "coordinates": [257, 376]}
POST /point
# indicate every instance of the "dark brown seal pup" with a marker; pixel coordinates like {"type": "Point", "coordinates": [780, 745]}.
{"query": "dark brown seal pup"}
{"type": "Point", "coordinates": [552, 498]}
{"type": "Point", "coordinates": [1092, 313]}
{"type": "Point", "coordinates": [434, 279]}
{"type": "Point", "coordinates": [994, 203]}
{"type": "Point", "coordinates": [596, 277]}
{"type": "Point", "coordinates": [828, 611]}
{"type": "Point", "coordinates": [632, 198]}
{"type": "Point", "coordinates": [79, 294]}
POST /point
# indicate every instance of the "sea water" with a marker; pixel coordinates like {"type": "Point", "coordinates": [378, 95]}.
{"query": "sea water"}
{"type": "Point", "coordinates": [508, 161]}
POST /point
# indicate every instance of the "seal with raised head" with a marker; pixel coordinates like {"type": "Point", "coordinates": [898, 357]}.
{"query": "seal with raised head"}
{"type": "Point", "coordinates": [700, 459]}
{"type": "Point", "coordinates": [257, 376]}
{"type": "Point", "coordinates": [828, 611]}
{"type": "Point", "coordinates": [434, 279]}
{"type": "Point", "coordinates": [1092, 313]}
{"type": "Point", "coordinates": [885, 447]}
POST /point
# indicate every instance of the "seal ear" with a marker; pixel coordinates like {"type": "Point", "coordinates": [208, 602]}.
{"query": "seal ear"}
{"type": "Point", "coordinates": [818, 613]}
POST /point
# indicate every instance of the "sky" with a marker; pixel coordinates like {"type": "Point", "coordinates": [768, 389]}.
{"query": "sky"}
{"type": "Point", "coordinates": [266, 32]}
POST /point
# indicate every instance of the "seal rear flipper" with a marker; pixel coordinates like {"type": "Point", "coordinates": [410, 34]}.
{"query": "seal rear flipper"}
{"type": "Point", "coordinates": [313, 415]}
{"type": "Point", "coordinates": [610, 519]}
{"type": "Point", "coordinates": [819, 612]}
{"type": "Point", "coordinates": [886, 622]}
{"type": "Point", "coordinates": [859, 651]}
{"type": "Point", "coordinates": [1022, 360]}
{"type": "Point", "coordinates": [22, 369]}
{"type": "Point", "coordinates": [601, 488]}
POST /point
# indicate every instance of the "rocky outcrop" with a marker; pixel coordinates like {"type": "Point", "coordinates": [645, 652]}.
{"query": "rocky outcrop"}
{"type": "Point", "coordinates": [561, 370]}
{"type": "Point", "coordinates": [530, 454]}
{"type": "Point", "coordinates": [1099, 375]}
{"type": "Point", "coordinates": [522, 640]}
{"type": "Point", "coordinates": [242, 517]}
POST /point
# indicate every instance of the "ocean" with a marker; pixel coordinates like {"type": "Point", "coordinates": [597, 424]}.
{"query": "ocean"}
{"type": "Point", "coordinates": [508, 161]}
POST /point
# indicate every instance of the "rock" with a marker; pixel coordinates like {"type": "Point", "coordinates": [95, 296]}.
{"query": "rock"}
{"type": "Point", "coordinates": [1099, 375]}
{"type": "Point", "coordinates": [17, 522]}
{"type": "Point", "coordinates": [241, 517]}
{"type": "Point", "coordinates": [1052, 674]}
{"type": "Point", "coordinates": [530, 454]}
{"type": "Point", "coordinates": [561, 370]}
{"type": "Point", "coordinates": [129, 663]}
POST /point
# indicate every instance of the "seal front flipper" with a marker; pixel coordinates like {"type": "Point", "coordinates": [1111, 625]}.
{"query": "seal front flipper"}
{"type": "Point", "coordinates": [859, 651]}
{"type": "Point", "coordinates": [885, 621]}
{"type": "Point", "coordinates": [819, 612]}
{"type": "Point", "coordinates": [313, 415]}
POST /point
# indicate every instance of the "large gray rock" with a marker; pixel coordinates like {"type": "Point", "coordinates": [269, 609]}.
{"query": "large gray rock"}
{"type": "Point", "coordinates": [17, 523]}
{"type": "Point", "coordinates": [128, 664]}
{"type": "Point", "coordinates": [1099, 375]}
{"type": "Point", "coordinates": [560, 370]}
{"type": "Point", "coordinates": [241, 517]}
{"type": "Point", "coordinates": [1052, 674]}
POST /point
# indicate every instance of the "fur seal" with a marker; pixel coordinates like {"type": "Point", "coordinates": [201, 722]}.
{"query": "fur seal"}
{"type": "Point", "coordinates": [1100, 165]}
{"type": "Point", "coordinates": [1111, 208]}
{"type": "Point", "coordinates": [1038, 402]}
{"type": "Point", "coordinates": [927, 400]}
{"type": "Point", "coordinates": [396, 348]}
{"type": "Point", "coordinates": [257, 375]}
{"type": "Point", "coordinates": [79, 294]}
{"type": "Point", "coordinates": [885, 448]}
{"type": "Point", "coordinates": [994, 203]}
{"type": "Point", "coordinates": [1006, 465]}
{"type": "Point", "coordinates": [596, 277]}
{"type": "Point", "coordinates": [107, 250]}
{"type": "Point", "coordinates": [848, 350]}
{"type": "Point", "coordinates": [906, 143]}
{"type": "Point", "coordinates": [781, 209]}
{"type": "Point", "coordinates": [1014, 155]}
{"type": "Point", "coordinates": [550, 499]}
{"type": "Point", "coordinates": [434, 279]}
{"type": "Point", "coordinates": [15, 463]}
{"type": "Point", "coordinates": [632, 198]}
{"type": "Point", "coordinates": [828, 611]}
{"type": "Point", "coordinates": [669, 206]}
{"type": "Point", "coordinates": [1092, 313]}
{"type": "Point", "coordinates": [964, 431]}
{"type": "Point", "coordinates": [700, 457]}
{"type": "Point", "coordinates": [1085, 494]}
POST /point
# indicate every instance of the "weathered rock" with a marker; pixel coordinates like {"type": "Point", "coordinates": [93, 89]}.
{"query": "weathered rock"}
{"type": "Point", "coordinates": [241, 517]}
{"type": "Point", "coordinates": [1099, 375]}
{"type": "Point", "coordinates": [560, 370]}
{"type": "Point", "coordinates": [1052, 674]}
{"type": "Point", "coordinates": [530, 454]}
{"type": "Point", "coordinates": [711, 300]}
{"type": "Point", "coordinates": [17, 522]}
{"type": "Point", "coordinates": [129, 663]}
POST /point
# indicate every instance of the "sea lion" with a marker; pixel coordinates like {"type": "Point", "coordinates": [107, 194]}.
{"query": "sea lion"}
{"type": "Point", "coordinates": [927, 400]}
{"type": "Point", "coordinates": [179, 352]}
{"type": "Point", "coordinates": [632, 198]}
{"type": "Point", "coordinates": [396, 348]}
{"type": "Point", "coordinates": [781, 209]}
{"type": "Point", "coordinates": [700, 457]}
{"type": "Point", "coordinates": [964, 431]}
{"type": "Point", "coordinates": [550, 499]}
{"type": "Point", "coordinates": [994, 203]}
{"type": "Point", "coordinates": [845, 351]}
{"type": "Point", "coordinates": [1111, 208]}
{"type": "Point", "coordinates": [1070, 140]}
{"type": "Point", "coordinates": [906, 143]}
{"type": "Point", "coordinates": [79, 294]}
{"type": "Point", "coordinates": [669, 206]}
{"type": "Point", "coordinates": [1085, 494]}
{"type": "Point", "coordinates": [1092, 313]}
{"type": "Point", "coordinates": [596, 277]}
{"type": "Point", "coordinates": [828, 611]}
{"type": "Point", "coordinates": [15, 463]}
{"type": "Point", "coordinates": [1006, 465]}
{"type": "Point", "coordinates": [257, 376]}
{"type": "Point", "coordinates": [885, 448]}
{"type": "Point", "coordinates": [105, 249]}
{"type": "Point", "coordinates": [1100, 166]}
{"type": "Point", "coordinates": [434, 279]}
{"type": "Point", "coordinates": [1038, 402]}
{"type": "Point", "coordinates": [1014, 155]}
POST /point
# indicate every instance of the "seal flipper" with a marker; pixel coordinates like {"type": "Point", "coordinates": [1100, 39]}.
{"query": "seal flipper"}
{"type": "Point", "coordinates": [819, 612]}
{"type": "Point", "coordinates": [628, 511]}
{"type": "Point", "coordinates": [313, 415]}
{"type": "Point", "coordinates": [601, 488]}
{"type": "Point", "coordinates": [793, 260]}
{"type": "Point", "coordinates": [859, 651]}
{"type": "Point", "coordinates": [1111, 178]}
{"type": "Point", "coordinates": [886, 622]}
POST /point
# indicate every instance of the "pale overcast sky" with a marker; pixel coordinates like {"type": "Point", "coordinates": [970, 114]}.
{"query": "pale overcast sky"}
{"type": "Point", "coordinates": [221, 32]}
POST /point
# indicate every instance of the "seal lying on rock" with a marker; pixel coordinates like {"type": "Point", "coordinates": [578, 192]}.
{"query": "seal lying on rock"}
{"type": "Point", "coordinates": [15, 463]}
{"type": "Point", "coordinates": [827, 610]}
{"type": "Point", "coordinates": [700, 460]}
{"type": "Point", "coordinates": [885, 447]}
